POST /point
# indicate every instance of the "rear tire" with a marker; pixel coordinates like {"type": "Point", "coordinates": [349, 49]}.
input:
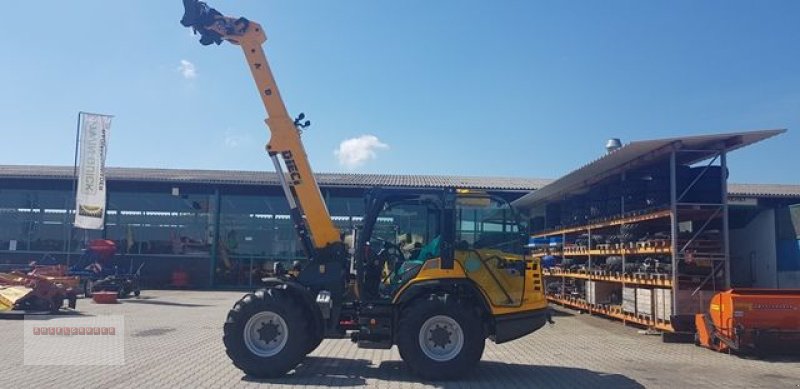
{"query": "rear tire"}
{"type": "Point", "coordinates": [440, 337]}
{"type": "Point", "coordinates": [265, 334]}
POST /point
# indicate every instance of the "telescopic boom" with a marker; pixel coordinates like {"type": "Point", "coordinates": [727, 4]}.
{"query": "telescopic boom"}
{"type": "Point", "coordinates": [285, 141]}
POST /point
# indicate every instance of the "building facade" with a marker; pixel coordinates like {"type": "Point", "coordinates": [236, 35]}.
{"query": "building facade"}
{"type": "Point", "coordinates": [228, 228]}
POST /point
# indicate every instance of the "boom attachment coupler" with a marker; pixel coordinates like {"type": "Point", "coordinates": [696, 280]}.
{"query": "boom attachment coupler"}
{"type": "Point", "coordinates": [212, 26]}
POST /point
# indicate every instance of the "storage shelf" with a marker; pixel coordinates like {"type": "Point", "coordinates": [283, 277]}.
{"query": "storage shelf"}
{"type": "Point", "coordinates": [608, 223]}
{"type": "Point", "coordinates": [685, 211]}
{"type": "Point", "coordinates": [636, 251]}
{"type": "Point", "coordinates": [661, 281]}
{"type": "Point", "coordinates": [634, 212]}
{"type": "Point", "coordinates": [613, 312]}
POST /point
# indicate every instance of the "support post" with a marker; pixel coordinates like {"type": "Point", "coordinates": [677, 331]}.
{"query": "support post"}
{"type": "Point", "coordinates": [215, 236]}
{"type": "Point", "coordinates": [589, 248]}
{"type": "Point", "coordinates": [622, 212]}
{"type": "Point", "coordinates": [673, 203]}
{"type": "Point", "coordinates": [725, 233]}
{"type": "Point", "coordinates": [69, 223]}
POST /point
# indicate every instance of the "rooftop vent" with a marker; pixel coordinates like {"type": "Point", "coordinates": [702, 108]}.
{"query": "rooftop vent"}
{"type": "Point", "coordinates": [613, 144]}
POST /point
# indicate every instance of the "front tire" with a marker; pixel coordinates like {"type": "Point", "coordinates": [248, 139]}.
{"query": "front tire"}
{"type": "Point", "coordinates": [313, 343]}
{"type": "Point", "coordinates": [265, 334]}
{"type": "Point", "coordinates": [440, 337]}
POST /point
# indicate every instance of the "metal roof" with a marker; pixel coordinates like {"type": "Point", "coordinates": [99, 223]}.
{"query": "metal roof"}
{"type": "Point", "coordinates": [344, 180]}
{"type": "Point", "coordinates": [227, 177]}
{"type": "Point", "coordinates": [763, 190]}
{"type": "Point", "coordinates": [639, 153]}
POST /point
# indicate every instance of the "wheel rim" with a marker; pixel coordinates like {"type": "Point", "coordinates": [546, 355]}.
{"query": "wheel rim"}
{"type": "Point", "coordinates": [265, 334]}
{"type": "Point", "coordinates": [441, 338]}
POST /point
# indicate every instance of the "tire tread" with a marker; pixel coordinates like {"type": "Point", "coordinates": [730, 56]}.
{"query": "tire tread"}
{"type": "Point", "coordinates": [415, 314]}
{"type": "Point", "coordinates": [266, 367]}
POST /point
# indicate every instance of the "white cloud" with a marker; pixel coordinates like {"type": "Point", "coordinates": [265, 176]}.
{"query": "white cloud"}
{"type": "Point", "coordinates": [355, 152]}
{"type": "Point", "coordinates": [187, 69]}
{"type": "Point", "coordinates": [232, 140]}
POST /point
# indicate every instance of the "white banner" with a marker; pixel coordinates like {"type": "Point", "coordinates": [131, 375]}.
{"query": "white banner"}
{"type": "Point", "coordinates": [90, 198]}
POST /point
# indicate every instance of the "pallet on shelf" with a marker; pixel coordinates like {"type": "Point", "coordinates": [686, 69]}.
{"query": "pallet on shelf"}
{"type": "Point", "coordinates": [644, 302]}
{"type": "Point", "coordinates": [612, 312]}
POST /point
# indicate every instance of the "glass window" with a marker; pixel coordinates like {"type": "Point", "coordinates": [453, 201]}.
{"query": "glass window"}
{"type": "Point", "coordinates": [487, 223]}
{"type": "Point", "coordinates": [254, 233]}
{"type": "Point", "coordinates": [35, 220]}
{"type": "Point", "coordinates": [346, 212]}
{"type": "Point", "coordinates": [787, 221]}
{"type": "Point", "coordinates": [257, 225]}
{"type": "Point", "coordinates": [345, 206]}
{"type": "Point", "coordinates": [161, 223]}
{"type": "Point", "coordinates": [411, 225]}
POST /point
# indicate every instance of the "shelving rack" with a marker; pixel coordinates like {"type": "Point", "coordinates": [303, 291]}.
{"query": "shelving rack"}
{"type": "Point", "coordinates": [587, 216]}
{"type": "Point", "coordinates": [677, 282]}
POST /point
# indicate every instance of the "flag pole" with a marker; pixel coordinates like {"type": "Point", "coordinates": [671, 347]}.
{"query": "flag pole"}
{"type": "Point", "coordinates": [74, 189]}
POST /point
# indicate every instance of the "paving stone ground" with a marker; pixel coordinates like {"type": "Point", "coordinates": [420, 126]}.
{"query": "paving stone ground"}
{"type": "Point", "coordinates": [174, 339]}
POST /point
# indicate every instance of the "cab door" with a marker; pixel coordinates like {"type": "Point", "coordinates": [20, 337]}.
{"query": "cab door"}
{"type": "Point", "coordinates": [488, 247]}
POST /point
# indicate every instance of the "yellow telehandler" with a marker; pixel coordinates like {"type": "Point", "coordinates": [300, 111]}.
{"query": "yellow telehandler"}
{"type": "Point", "coordinates": [433, 271]}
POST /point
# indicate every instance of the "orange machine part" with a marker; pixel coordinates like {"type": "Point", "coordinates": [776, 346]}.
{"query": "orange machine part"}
{"type": "Point", "coordinates": [705, 331]}
{"type": "Point", "coordinates": [105, 297]}
{"type": "Point", "coordinates": [751, 319]}
{"type": "Point", "coordinates": [180, 279]}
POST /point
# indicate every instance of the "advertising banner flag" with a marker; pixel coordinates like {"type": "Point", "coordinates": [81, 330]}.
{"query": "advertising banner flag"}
{"type": "Point", "coordinates": [90, 196]}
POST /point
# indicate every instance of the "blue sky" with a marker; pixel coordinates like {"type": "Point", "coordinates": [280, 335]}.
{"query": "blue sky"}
{"type": "Point", "coordinates": [479, 88]}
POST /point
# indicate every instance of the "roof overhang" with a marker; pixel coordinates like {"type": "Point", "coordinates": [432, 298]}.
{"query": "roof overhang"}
{"type": "Point", "coordinates": [260, 178]}
{"type": "Point", "coordinates": [692, 149]}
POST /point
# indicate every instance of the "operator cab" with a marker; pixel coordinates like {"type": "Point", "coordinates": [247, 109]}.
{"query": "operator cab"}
{"type": "Point", "coordinates": [400, 232]}
{"type": "Point", "coordinates": [473, 230]}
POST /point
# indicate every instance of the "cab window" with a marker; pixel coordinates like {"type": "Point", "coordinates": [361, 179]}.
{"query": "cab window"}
{"type": "Point", "coordinates": [487, 223]}
{"type": "Point", "coordinates": [409, 225]}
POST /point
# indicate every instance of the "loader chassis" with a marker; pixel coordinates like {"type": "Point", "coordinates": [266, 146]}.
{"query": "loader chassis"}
{"type": "Point", "coordinates": [435, 272]}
